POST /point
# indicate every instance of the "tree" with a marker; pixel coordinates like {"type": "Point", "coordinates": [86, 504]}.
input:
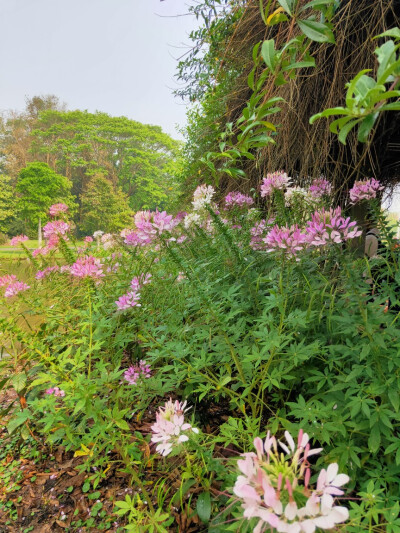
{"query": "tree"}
{"type": "Point", "coordinates": [16, 129]}
{"type": "Point", "coordinates": [38, 187]}
{"type": "Point", "coordinates": [141, 159]}
{"type": "Point", "coordinates": [103, 207]}
{"type": "Point", "coordinates": [7, 203]}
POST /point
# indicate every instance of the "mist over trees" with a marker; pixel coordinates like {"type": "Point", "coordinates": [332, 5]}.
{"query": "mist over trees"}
{"type": "Point", "coordinates": [131, 165]}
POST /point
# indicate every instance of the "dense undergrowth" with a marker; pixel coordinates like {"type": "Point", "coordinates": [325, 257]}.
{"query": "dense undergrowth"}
{"type": "Point", "coordinates": [260, 325]}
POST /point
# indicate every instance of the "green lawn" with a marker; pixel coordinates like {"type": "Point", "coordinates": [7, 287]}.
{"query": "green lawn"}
{"type": "Point", "coordinates": [10, 252]}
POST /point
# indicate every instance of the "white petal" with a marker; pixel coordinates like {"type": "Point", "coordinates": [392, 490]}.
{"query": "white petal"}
{"type": "Point", "coordinates": [340, 480]}
{"type": "Point", "coordinates": [290, 440]}
{"type": "Point", "coordinates": [331, 472]}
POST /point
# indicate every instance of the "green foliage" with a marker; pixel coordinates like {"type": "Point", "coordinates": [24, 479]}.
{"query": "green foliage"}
{"type": "Point", "coordinates": [366, 97]}
{"type": "Point", "coordinates": [283, 344]}
{"type": "Point", "coordinates": [39, 187]}
{"type": "Point", "coordinates": [103, 208]}
{"type": "Point", "coordinates": [140, 159]}
{"type": "Point", "coordinates": [8, 209]}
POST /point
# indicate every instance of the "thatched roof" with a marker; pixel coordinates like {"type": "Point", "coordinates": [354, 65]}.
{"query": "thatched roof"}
{"type": "Point", "coordinates": [306, 151]}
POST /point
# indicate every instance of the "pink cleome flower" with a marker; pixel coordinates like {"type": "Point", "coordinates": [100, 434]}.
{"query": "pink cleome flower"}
{"type": "Point", "coordinates": [7, 279]}
{"type": "Point", "coordinates": [320, 187]}
{"type": "Point", "coordinates": [14, 288]}
{"type": "Point", "coordinates": [57, 209]}
{"type": "Point", "coordinates": [274, 487]}
{"type": "Point", "coordinates": [237, 199]}
{"type": "Point", "coordinates": [56, 392]}
{"type": "Point", "coordinates": [87, 267]}
{"type": "Point", "coordinates": [128, 300]}
{"type": "Point", "coordinates": [364, 190]}
{"type": "Point", "coordinates": [138, 281]}
{"type": "Point", "coordinates": [170, 428]}
{"type": "Point", "coordinates": [41, 274]}
{"type": "Point", "coordinates": [88, 239]}
{"type": "Point", "coordinates": [18, 239]}
{"type": "Point", "coordinates": [330, 227]}
{"type": "Point", "coordinates": [132, 297]}
{"type": "Point", "coordinates": [133, 373]}
{"type": "Point", "coordinates": [57, 227]}
{"type": "Point", "coordinates": [276, 181]}
{"type": "Point", "coordinates": [291, 240]}
{"type": "Point", "coordinates": [149, 225]}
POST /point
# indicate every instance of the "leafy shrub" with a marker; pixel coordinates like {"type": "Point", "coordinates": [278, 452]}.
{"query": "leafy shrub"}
{"type": "Point", "coordinates": [274, 322]}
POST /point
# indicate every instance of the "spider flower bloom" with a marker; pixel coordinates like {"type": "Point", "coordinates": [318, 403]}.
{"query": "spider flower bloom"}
{"type": "Point", "coordinates": [14, 288]}
{"type": "Point", "coordinates": [18, 239]}
{"type": "Point", "coordinates": [130, 299]}
{"type": "Point", "coordinates": [57, 209]}
{"type": "Point", "coordinates": [291, 240]}
{"type": "Point", "coordinates": [138, 281]}
{"type": "Point", "coordinates": [88, 239]}
{"type": "Point", "coordinates": [297, 195]}
{"type": "Point", "coordinates": [364, 190]}
{"type": "Point", "coordinates": [276, 181]}
{"type": "Point", "coordinates": [135, 372]}
{"type": "Point", "coordinates": [237, 199]}
{"type": "Point", "coordinates": [40, 274]}
{"type": "Point", "coordinates": [55, 391]}
{"type": "Point", "coordinates": [192, 219]}
{"type": "Point", "coordinates": [274, 487]}
{"type": "Point", "coordinates": [330, 227]}
{"type": "Point", "coordinates": [87, 267]}
{"type": "Point", "coordinates": [142, 216]}
{"type": "Point", "coordinates": [57, 227]}
{"type": "Point", "coordinates": [257, 234]}
{"type": "Point", "coordinates": [320, 187]}
{"type": "Point", "coordinates": [7, 279]}
{"type": "Point", "coordinates": [170, 428]}
{"type": "Point", "coordinates": [202, 196]}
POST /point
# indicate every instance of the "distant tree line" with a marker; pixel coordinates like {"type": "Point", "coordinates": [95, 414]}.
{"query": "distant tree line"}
{"type": "Point", "coordinates": [105, 168]}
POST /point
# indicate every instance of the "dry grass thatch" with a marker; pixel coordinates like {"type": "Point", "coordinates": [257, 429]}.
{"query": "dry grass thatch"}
{"type": "Point", "coordinates": [308, 151]}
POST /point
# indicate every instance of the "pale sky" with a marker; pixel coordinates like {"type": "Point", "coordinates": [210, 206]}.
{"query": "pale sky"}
{"type": "Point", "coordinates": [116, 56]}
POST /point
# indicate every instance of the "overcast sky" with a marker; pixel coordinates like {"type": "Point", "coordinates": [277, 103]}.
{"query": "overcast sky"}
{"type": "Point", "coordinates": [117, 56]}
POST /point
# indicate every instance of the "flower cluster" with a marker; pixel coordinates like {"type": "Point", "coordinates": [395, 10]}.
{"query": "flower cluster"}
{"type": "Point", "coordinates": [18, 239]}
{"type": "Point", "coordinates": [133, 373]}
{"type": "Point", "coordinates": [276, 181]}
{"type": "Point", "coordinates": [274, 487]}
{"type": "Point", "coordinates": [57, 227]}
{"type": "Point", "coordinates": [330, 227]}
{"type": "Point", "coordinates": [14, 288]}
{"type": "Point", "coordinates": [7, 279]}
{"type": "Point", "coordinates": [56, 392]}
{"type": "Point", "coordinates": [57, 209]}
{"type": "Point", "coordinates": [108, 241]}
{"type": "Point", "coordinates": [170, 428]}
{"type": "Point", "coordinates": [320, 187]}
{"type": "Point", "coordinates": [257, 235]}
{"type": "Point", "coordinates": [88, 239]}
{"type": "Point", "coordinates": [364, 190]}
{"type": "Point", "coordinates": [291, 240]}
{"type": "Point", "coordinates": [40, 274]}
{"type": "Point", "coordinates": [296, 195]}
{"type": "Point", "coordinates": [97, 234]}
{"type": "Point", "coordinates": [132, 297]}
{"type": "Point", "coordinates": [149, 225]}
{"type": "Point", "coordinates": [202, 196]}
{"type": "Point", "coordinates": [237, 199]}
{"type": "Point", "coordinates": [87, 267]}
